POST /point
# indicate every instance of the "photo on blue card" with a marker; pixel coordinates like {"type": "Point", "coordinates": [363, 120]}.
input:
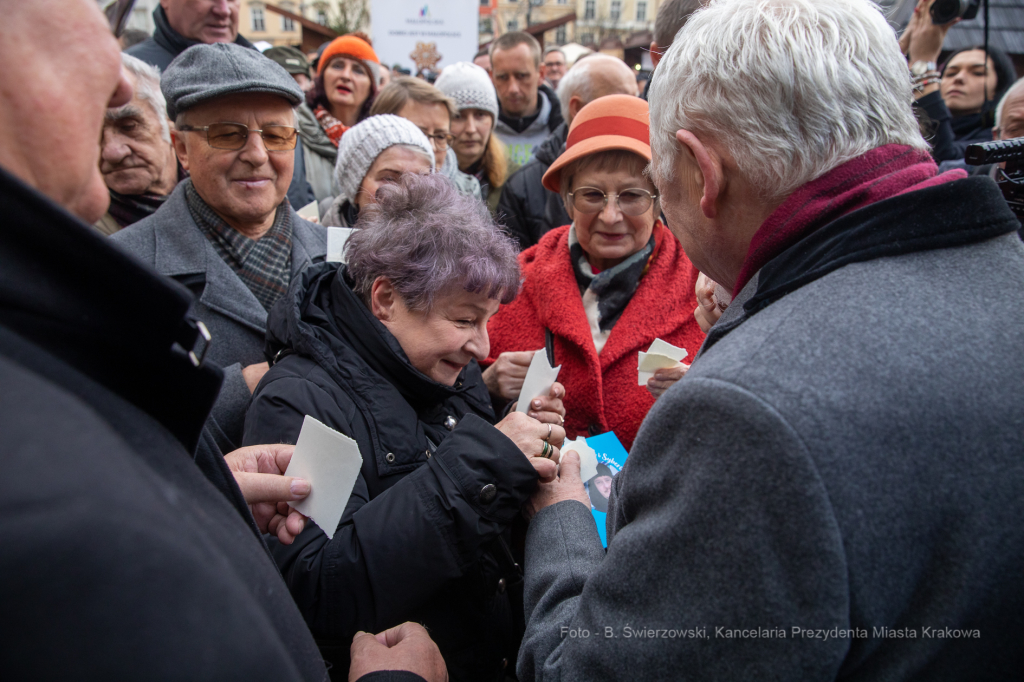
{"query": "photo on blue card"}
{"type": "Point", "coordinates": [611, 456]}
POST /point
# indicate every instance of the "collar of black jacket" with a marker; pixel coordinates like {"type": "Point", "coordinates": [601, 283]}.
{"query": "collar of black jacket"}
{"type": "Point", "coordinates": [67, 289]}
{"type": "Point", "coordinates": [166, 37]}
{"type": "Point", "coordinates": [551, 148]}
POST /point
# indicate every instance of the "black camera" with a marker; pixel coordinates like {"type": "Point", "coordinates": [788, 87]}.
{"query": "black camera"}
{"type": "Point", "coordinates": [945, 11]}
{"type": "Point", "coordinates": [1011, 178]}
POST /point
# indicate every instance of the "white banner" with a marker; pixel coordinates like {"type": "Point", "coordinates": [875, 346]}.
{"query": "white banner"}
{"type": "Point", "coordinates": [419, 33]}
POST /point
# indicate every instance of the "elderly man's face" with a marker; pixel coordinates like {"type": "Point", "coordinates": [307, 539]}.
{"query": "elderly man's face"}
{"type": "Point", "coordinates": [208, 21]}
{"type": "Point", "coordinates": [52, 106]}
{"type": "Point", "coordinates": [1011, 123]}
{"type": "Point", "coordinates": [134, 156]}
{"type": "Point", "coordinates": [246, 186]}
{"type": "Point", "coordinates": [516, 79]}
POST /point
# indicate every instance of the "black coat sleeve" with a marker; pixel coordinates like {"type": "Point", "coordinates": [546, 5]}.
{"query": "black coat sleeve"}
{"type": "Point", "coordinates": [443, 514]}
{"type": "Point", "coordinates": [512, 214]}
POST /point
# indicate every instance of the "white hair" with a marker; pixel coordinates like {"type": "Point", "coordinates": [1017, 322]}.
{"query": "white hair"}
{"type": "Point", "coordinates": [580, 80]}
{"type": "Point", "coordinates": [790, 88]}
{"type": "Point", "coordinates": [147, 87]}
{"type": "Point", "coordinates": [1014, 89]}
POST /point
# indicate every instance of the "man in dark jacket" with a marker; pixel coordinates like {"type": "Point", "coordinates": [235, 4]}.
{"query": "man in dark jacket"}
{"type": "Point", "coordinates": [180, 24]}
{"type": "Point", "coordinates": [121, 559]}
{"type": "Point", "coordinates": [833, 489]}
{"type": "Point", "coordinates": [526, 209]}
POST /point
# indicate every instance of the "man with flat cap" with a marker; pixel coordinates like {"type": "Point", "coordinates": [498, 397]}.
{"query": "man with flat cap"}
{"type": "Point", "coordinates": [228, 233]}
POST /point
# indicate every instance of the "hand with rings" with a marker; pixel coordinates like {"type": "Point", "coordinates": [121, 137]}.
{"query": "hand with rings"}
{"type": "Point", "coordinates": [538, 441]}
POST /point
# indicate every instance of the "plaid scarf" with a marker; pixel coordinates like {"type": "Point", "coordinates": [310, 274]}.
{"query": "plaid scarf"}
{"type": "Point", "coordinates": [333, 128]}
{"type": "Point", "coordinates": [264, 265]}
{"type": "Point", "coordinates": [615, 286]}
{"type": "Point", "coordinates": [128, 209]}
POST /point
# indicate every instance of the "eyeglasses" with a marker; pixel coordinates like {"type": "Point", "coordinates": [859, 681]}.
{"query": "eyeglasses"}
{"type": "Point", "coordinates": [118, 13]}
{"type": "Point", "coordinates": [552, 65]}
{"type": "Point", "coordinates": [234, 136]}
{"type": "Point", "coordinates": [632, 202]}
{"type": "Point", "coordinates": [440, 140]}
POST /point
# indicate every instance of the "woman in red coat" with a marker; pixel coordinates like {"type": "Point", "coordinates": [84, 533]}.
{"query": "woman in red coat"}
{"type": "Point", "coordinates": [604, 287]}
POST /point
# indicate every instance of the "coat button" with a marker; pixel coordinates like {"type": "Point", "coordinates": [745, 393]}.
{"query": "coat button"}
{"type": "Point", "coordinates": [450, 422]}
{"type": "Point", "coordinates": [390, 457]}
{"type": "Point", "coordinates": [488, 493]}
{"type": "Point", "coordinates": [504, 663]}
{"type": "Point", "coordinates": [501, 585]}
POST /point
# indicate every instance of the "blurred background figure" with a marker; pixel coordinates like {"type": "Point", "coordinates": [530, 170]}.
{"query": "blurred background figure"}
{"type": "Point", "coordinates": [602, 288]}
{"type": "Point", "coordinates": [385, 75]}
{"type": "Point", "coordinates": [526, 208]}
{"type": "Point", "coordinates": [183, 23]}
{"type": "Point", "coordinates": [483, 60]}
{"type": "Point", "coordinates": [554, 66]}
{"type": "Point", "coordinates": [672, 14]}
{"type": "Point", "coordinates": [372, 154]}
{"type": "Point", "coordinates": [347, 79]}
{"type": "Point", "coordinates": [959, 97]}
{"type": "Point", "coordinates": [431, 111]}
{"type": "Point", "coordinates": [477, 149]}
{"type": "Point", "coordinates": [132, 36]}
{"type": "Point", "coordinates": [295, 63]}
{"type": "Point", "coordinates": [528, 110]}
{"type": "Point", "coordinates": [136, 155]}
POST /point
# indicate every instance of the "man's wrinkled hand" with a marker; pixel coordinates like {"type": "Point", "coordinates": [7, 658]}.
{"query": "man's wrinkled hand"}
{"type": "Point", "coordinates": [259, 472]}
{"type": "Point", "coordinates": [567, 485]}
{"type": "Point", "coordinates": [405, 647]}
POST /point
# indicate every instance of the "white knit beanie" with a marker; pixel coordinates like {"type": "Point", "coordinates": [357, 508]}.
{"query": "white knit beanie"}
{"type": "Point", "coordinates": [470, 87]}
{"type": "Point", "coordinates": [365, 141]}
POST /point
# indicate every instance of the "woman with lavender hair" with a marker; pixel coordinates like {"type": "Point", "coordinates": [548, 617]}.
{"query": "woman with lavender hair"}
{"type": "Point", "coordinates": [385, 350]}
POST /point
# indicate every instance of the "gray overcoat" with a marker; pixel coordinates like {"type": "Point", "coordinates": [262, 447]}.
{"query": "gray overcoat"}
{"type": "Point", "coordinates": [170, 241]}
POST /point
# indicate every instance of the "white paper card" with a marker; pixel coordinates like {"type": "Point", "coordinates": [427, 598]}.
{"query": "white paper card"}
{"type": "Point", "coordinates": [336, 238]}
{"type": "Point", "coordinates": [310, 211]}
{"type": "Point", "coordinates": [330, 461]}
{"type": "Point", "coordinates": [661, 355]}
{"type": "Point", "coordinates": [538, 380]}
{"type": "Point", "coordinates": [588, 458]}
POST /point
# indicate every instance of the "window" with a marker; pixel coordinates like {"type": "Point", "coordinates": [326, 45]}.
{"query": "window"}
{"type": "Point", "coordinates": [641, 11]}
{"type": "Point", "coordinates": [616, 9]}
{"type": "Point", "coordinates": [586, 39]}
{"type": "Point", "coordinates": [287, 23]}
{"type": "Point", "coordinates": [486, 26]}
{"type": "Point", "coordinates": [562, 2]}
{"type": "Point", "coordinates": [512, 25]}
{"type": "Point", "coordinates": [560, 35]}
{"type": "Point", "coordinates": [259, 24]}
{"type": "Point", "coordinates": [485, 3]}
{"type": "Point", "coordinates": [321, 16]}
{"type": "Point", "coordinates": [588, 12]}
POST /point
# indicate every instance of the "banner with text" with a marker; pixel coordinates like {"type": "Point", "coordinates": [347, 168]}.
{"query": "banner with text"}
{"type": "Point", "coordinates": [421, 34]}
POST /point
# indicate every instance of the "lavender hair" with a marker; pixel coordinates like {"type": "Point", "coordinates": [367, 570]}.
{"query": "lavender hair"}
{"type": "Point", "coordinates": [428, 240]}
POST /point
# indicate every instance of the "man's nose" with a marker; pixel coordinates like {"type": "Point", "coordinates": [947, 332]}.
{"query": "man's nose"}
{"type": "Point", "coordinates": [113, 148]}
{"type": "Point", "coordinates": [221, 8]}
{"type": "Point", "coordinates": [254, 152]}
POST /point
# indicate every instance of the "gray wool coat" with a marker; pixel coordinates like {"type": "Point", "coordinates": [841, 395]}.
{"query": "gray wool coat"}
{"type": "Point", "coordinates": [833, 491]}
{"type": "Point", "coordinates": [171, 242]}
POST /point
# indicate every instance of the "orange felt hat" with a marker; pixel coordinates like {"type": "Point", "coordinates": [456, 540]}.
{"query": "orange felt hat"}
{"type": "Point", "coordinates": [351, 46]}
{"type": "Point", "coordinates": [611, 122]}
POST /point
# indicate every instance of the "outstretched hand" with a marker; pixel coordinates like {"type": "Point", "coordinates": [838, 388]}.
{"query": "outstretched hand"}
{"type": "Point", "coordinates": [566, 485]}
{"type": "Point", "coordinates": [259, 472]}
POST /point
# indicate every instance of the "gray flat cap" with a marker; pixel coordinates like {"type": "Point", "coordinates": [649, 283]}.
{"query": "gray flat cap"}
{"type": "Point", "coordinates": [203, 72]}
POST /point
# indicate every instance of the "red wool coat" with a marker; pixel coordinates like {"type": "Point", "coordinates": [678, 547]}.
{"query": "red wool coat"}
{"type": "Point", "coordinates": [602, 391]}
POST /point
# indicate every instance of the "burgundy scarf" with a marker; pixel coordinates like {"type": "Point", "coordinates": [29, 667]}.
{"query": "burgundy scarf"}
{"type": "Point", "coordinates": [879, 174]}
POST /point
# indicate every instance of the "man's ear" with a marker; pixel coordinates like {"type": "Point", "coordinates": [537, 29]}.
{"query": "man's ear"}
{"type": "Point", "coordinates": [180, 150]}
{"type": "Point", "coordinates": [543, 70]}
{"type": "Point", "coordinates": [655, 54]}
{"type": "Point", "coordinates": [575, 104]}
{"type": "Point", "coordinates": [382, 299]}
{"type": "Point", "coordinates": [708, 177]}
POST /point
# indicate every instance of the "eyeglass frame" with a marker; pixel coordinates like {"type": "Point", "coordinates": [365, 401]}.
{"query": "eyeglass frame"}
{"type": "Point", "coordinates": [607, 196]}
{"type": "Point", "coordinates": [118, 13]}
{"type": "Point", "coordinates": [447, 137]}
{"type": "Point", "coordinates": [248, 131]}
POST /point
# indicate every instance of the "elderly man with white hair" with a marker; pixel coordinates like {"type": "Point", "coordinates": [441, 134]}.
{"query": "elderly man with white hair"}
{"type": "Point", "coordinates": [136, 155]}
{"type": "Point", "coordinates": [833, 489]}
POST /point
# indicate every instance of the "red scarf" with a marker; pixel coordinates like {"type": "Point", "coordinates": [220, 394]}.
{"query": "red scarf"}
{"type": "Point", "coordinates": [332, 126]}
{"type": "Point", "coordinates": [879, 174]}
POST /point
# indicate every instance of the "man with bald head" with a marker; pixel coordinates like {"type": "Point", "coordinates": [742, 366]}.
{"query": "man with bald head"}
{"type": "Point", "coordinates": [527, 209]}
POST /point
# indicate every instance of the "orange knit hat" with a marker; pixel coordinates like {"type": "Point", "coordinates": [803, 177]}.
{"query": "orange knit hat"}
{"type": "Point", "coordinates": [610, 122]}
{"type": "Point", "coordinates": [351, 46]}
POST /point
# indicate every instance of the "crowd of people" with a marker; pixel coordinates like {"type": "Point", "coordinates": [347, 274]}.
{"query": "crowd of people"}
{"type": "Point", "coordinates": [830, 489]}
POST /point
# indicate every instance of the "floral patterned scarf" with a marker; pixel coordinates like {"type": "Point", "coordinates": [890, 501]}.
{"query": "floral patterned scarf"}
{"type": "Point", "coordinates": [333, 128]}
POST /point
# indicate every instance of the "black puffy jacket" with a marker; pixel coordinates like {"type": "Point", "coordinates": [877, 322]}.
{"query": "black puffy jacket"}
{"type": "Point", "coordinates": [424, 536]}
{"type": "Point", "coordinates": [526, 209]}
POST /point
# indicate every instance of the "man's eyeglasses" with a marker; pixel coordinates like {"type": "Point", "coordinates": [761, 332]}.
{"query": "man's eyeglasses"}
{"type": "Point", "coordinates": [234, 136]}
{"type": "Point", "coordinates": [631, 202]}
{"type": "Point", "coordinates": [551, 65]}
{"type": "Point", "coordinates": [440, 140]}
{"type": "Point", "coordinates": [118, 13]}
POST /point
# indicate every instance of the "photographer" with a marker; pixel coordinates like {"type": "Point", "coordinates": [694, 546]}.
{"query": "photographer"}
{"type": "Point", "coordinates": [960, 97]}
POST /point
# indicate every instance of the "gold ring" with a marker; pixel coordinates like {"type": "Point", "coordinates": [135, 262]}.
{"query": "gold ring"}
{"type": "Point", "coordinates": [548, 437]}
{"type": "Point", "coordinates": [561, 420]}
{"type": "Point", "coordinates": [545, 450]}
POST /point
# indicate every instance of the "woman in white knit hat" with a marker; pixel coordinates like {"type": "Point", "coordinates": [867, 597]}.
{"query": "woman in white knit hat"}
{"type": "Point", "coordinates": [479, 152]}
{"type": "Point", "coordinates": [374, 152]}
